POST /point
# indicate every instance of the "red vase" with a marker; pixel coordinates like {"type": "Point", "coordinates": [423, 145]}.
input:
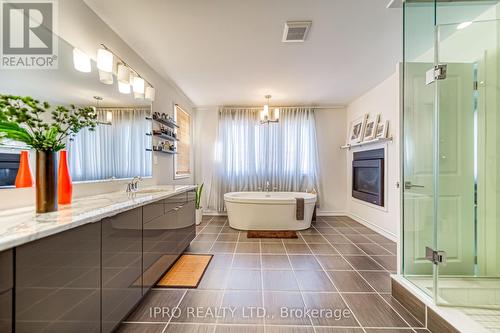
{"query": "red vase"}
{"type": "Point", "coordinates": [64, 185]}
{"type": "Point", "coordinates": [24, 177]}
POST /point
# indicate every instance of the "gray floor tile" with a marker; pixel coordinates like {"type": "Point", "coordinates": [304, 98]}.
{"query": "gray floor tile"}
{"type": "Point", "coordinates": [363, 263]}
{"type": "Point", "coordinates": [140, 328]}
{"type": "Point", "coordinates": [330, 301]}
{"type": "Point", "coordinates": [337, 239]}
{"type": "Point", "coordinates": [297, 248]}
{"type": "Point", "coordinates": [314, 281]}
{"type": "Point", "coordinates": [372, 311]}
{"type": "Point", "coordinates": [304, 262]}
{"type": "Point", "coordinates": [189, 328]}
{"type": "Point", "coordinates": [223, 247]}
{"type": "Point", "coordinates": [239, 329]}
{"type": "Point", "coordinates": [388, 262]}
{"type": "Point", "coordinates": [214, 278]}
{"type": "Point", "coordinates": [322, 249]}
{"type": "Point", "coordinates": [349, 281]}
{"type": "Point", "coordinates": [201, 299]}
{"type": "Point", "coordinates": [348, 249]}
{"type": "Point", "coordinates": [289, 329]}
{"type": "Point", "coordinates": [334, 262]}
{"type": "Point", "coordinates": [221, 260]}
{"type": "Point", "coordinates": [242, 305]}
{"type": "Point", "coordinates": [275, 302]}
{"type": "Point", "coordinates": [275, 262]}
{"type": "Point", "coordinates": [250, 261]}
{"type": "Point", "coordinates": [274, 248]}
{"type": "Point", "coordinates": [161, 298]}
{"type": "Point", "coordinates": [380, 281]}
{"type": "Point", "coordinates": [228, 237]}
{"type": "Point", "coordinates": [279, 280]}
{"type": "Point", "coordinates": [240, 279]}
{"type": "Point", "coordinates": [316, 239]}
{"type": "Point", "coordinates": [248, 247]}
{"type": "Point", "coordinates": [373, 249]}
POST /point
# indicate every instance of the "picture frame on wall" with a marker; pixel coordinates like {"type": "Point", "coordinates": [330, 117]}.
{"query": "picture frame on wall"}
{"type": "Point", "coordinates": [371, 128]}
{"type": "Point", "coordinates": [382, 130]}
{"type": "Point", "coordinates": [357, 129]}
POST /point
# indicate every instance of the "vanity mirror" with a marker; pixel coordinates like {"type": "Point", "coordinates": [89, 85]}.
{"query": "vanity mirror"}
{"type": "Point", "coordinates": [119, 146]}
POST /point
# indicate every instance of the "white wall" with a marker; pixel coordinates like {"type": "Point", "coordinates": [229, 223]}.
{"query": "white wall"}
{"type": "Point", "coordinates": [82, 28]}
{"type": "Point", "coordinates": [331, 133]}
{"type": "Point", "coordinates": [384, 99]}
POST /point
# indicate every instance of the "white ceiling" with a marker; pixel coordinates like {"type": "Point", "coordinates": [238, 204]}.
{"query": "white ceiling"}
{"type": "Point", "coordinates": [230, 51]}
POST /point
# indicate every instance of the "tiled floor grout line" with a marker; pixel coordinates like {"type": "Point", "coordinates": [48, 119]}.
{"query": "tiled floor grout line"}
{"type": "Point", "coordinates": [177, 306]}
{"type": "Point", "coordinates": [337, 289]}
{"type": "Point", "coordinates": [262, 281]}
{"type": "Point", "coordinates": [297, 281]}
{"type": "Point", "coordinates": [376, 291]}
{"type": "Point", "coordinates": [230, 272]}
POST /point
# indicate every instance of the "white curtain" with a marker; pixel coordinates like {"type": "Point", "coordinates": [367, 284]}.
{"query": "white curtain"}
{"type": "Point", "coordinates": [117, 150]}
{"type": "Point", "coordinates": [248, 153]}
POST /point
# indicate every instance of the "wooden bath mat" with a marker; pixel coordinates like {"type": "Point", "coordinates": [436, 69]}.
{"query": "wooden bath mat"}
{"type": "Point", "coordinates": [271, 234]}
{"type": "Point", "coordinates": [186, 272]}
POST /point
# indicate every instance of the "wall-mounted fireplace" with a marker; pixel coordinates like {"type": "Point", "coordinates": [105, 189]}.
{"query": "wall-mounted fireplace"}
{"type": "Point", "coordinates": [368, 176]}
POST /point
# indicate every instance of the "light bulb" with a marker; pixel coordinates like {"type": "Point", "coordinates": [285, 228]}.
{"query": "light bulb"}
{"type": "Point", "coordinates": [105, 60]}
{"type": "Point", "coordinates": [124, 88]}
{"type": "Point", "coordinates": [138, 85]}
{"type": "Point", "coordinates": [150, 93]}
{"type": "Point", "coordinates": [81, 61]}
{"type": "Point", "coordinates": [106, 77]}
{"type": "Point", "coordinates": [123, 74]}
{"type": "Point", "coordinates": [276, 114]}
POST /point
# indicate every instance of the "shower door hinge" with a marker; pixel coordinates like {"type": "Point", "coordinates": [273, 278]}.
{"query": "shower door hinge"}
{"type": "Point", "coordinates": [436, 257]}
{"type": "Point", "coordinates": [476, 85]}
{"type": "Point", "coordinates": [436, 73]}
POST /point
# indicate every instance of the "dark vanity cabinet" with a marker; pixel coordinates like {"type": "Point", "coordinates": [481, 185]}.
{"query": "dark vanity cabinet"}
{"type": "Point", "coordinates": [6, 290]}
{"type": "Point", "coordinates": [57, 282]}
{"type": "Point", "coordinates": [168, 228]}
{"type": "Point", "coordinates": [89, 278]}
{"type": "Point", "coordinates": [121, 266]}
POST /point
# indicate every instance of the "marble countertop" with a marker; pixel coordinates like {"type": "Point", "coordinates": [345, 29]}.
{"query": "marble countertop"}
{"type": "Point", "coordinates": [23, 225]}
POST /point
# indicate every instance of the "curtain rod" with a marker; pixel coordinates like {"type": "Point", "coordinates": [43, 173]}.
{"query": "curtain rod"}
{"type": "Point", "coordinates": [280, 106]}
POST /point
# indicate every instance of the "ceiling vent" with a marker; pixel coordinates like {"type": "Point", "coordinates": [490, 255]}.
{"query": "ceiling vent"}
{"type": "Point", "coordinates": [296, 31]}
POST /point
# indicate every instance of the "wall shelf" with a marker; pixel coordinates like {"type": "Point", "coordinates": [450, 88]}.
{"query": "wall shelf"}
{"type": "Point", "coordinates": [366, 143]}
{"type": "Point", "coordinates": [166, 137]}
{"type": "Point", "coordinates": [165, 122]}
{"type": "Point", "coordinates": [170, 152]}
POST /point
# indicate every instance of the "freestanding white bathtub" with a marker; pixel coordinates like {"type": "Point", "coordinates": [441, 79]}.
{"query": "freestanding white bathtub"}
{"type": "Point", "coordinates": [268, 210]}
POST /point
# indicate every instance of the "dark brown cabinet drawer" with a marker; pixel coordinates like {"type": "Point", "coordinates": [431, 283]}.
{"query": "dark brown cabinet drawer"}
{"type": "Point", "coordinates": [6, 271]}
{"type": "Point", "coordinates": [6, 303]}
{"type": "Point", "coordinates": [121, 266]}
{"type": "Point", "coordinates": [57, 287]}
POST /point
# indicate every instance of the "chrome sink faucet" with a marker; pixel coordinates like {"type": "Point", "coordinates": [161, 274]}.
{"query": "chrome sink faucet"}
{"type": "Point", "coordinates": [133, 185]}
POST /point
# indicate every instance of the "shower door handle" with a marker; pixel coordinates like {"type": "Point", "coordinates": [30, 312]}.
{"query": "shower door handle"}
{"type": "Point", "coordinates": [409, 185]}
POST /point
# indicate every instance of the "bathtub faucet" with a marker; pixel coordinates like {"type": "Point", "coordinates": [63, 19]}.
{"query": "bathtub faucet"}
{"type": "Point", "coordinates": [268, 186]}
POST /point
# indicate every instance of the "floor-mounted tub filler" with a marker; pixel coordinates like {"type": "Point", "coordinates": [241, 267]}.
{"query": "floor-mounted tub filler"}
{"type": "Point", "coordinates": [269, 210]}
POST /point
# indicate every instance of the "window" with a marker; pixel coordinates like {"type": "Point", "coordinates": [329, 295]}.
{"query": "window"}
{"type": "Point", "coordinates": [115, 150]}
{"type": "Point", "coordinates": [182, 160]}
{"type": "Point", "coordinates": [250, 154]}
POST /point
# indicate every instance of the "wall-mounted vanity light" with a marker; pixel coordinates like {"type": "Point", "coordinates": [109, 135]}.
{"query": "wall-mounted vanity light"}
{"type": "Point", "coordinates": [128, 79]}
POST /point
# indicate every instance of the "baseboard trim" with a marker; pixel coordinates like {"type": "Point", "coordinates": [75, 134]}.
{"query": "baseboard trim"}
{"type": "Point", "coordinates": [374, 227]}
{"type": "Point", "coordinates": [214, 213]}
{"type": "Point", "coordinates": [330, 213]}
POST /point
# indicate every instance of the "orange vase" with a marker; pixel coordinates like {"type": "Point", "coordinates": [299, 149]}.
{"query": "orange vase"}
{"type": "Point", "coordinates": [24, 177]}
{"type": "Point", "coordinates": [64, 185]}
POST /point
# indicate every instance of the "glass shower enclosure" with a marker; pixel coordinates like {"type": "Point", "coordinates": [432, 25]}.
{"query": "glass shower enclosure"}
{"type": "Point", "coordinates": [451, 151]}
